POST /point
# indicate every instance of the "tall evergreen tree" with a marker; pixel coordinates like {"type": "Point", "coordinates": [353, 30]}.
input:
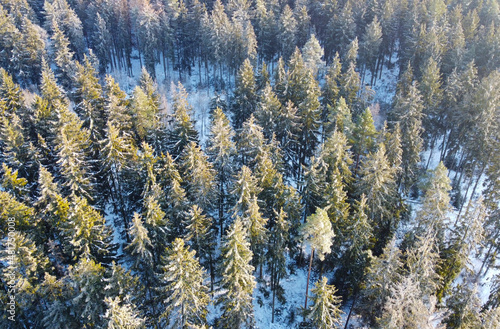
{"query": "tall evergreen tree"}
{"type": "Point", "coordinates": [237, 279]}
{"type": "Point", "coordinates": [325, 311]}
{"type": "Point", "coordinates": [245, 99]}
{"type": "Point", "coordinates": [318, 233]}
{"type": "Point", "coordinates": [182, 277]}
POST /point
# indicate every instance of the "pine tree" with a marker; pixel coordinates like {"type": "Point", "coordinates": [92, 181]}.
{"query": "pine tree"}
{"type": "Point", "coordinates": [249, 142]}
{"type": "Point", "coordinates": [101, 41]}
{"type": "Point", "coordinates": [331, 88]}
{"type": "Point", "coordinates": [116, 106]}
{"type": "Point", "coordinates": [59, 11]}
{"type": "Point", "coordinates": [355, 235]}
{"type": "Point", "coordinates": [350, 82]}
{"type": "Point", "coordinates": [31, 51]}
{"type": "Point", "coordinates": [364, 136]}
{"type": "Point", "coordinates": [199, 232]}
{"type": "Point", "coordinates": [10, 36]}
{"type": "Point", "coordinates": [370, 46]}
{"type": "Point", "coordinates": [73, 159]}
{"type": "Point", "coordinates": [182, 279]}
{"type": "Point", "coordinates": [405, 307]}
{"type": "Point", "coordinates": [245, 187]}
{"type": "Point", "coordinates": [89, 102]}
{"type": "Point", "coordinates": [317, 232]}
{"type": "Point", "coordinates": [314, 185]}
{"type": "Point", "coordinates": [148, 33]}
{"type": "Point", "coordinates": [117, 151]}
{"type": "Point", "coordinates": [340, 30]}
{"type": "Point", "coordinates": [237, 279]}
{"type": "Point", "coordinates": [303, 30]}
{"type": "Point", "coordinates": [23, 266]}
{"type": "Point", "coordinates": [392, 142]}
{"type": "Point", "coordinates": [432, 95]}
{"type": "Point", "coordinates": [145, 108]}
{"type": "Point", "coordinates": [256, 226]}
{"type": "Point", "coordinates": [140, 246]}
{"type": "Point", "coordinates": [325, 311]}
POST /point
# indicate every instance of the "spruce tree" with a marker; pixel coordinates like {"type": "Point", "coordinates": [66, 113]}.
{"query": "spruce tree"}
{"type": "Point", "coordinates": [182, 281]}
{"type": "Point", "coordinates": [384, 271]}
{"type": "Point", "coordinates": [276, 255]}
{"type": "Point", "coordinates": [377, 183]}
{"type": "Point", "coordinates": [237, 279]}
{"type": "Point", "coordinates": [325, 311]}
{"type": "Point", "coordinates": [63, 57]}
{"type": "Point", "coordinates": [221, 150]}
{"type": "Point", "coordinates": [408, 112]}
{"type": "Point", "coordinates": [258, 235]}
{"type": "Point", "coordinates": [183, 132]}
{"type": "Point", "coordinates": [245, 98]}
{"type": "Point", "coordinates": [122, 315]}
{"type": "Point", "coordinates": [436, 204]}
{"type": "Point", "coordinates": [199, 176]}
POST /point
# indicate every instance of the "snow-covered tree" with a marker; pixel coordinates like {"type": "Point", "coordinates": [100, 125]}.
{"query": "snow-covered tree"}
{"type": "Point", "coordinates": [318, 233]}
{"type": "Point", "coordinates": [182, 285]}
{"type": "Point", "coordinates": [237, 279]}
{"type": "Point", "coordinates": [325, 311]}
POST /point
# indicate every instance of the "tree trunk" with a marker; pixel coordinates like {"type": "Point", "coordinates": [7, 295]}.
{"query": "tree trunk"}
{"type": "Point", "coordinates": [308, 277]}
{"type": "Point", "coordinates": [350, 310]}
